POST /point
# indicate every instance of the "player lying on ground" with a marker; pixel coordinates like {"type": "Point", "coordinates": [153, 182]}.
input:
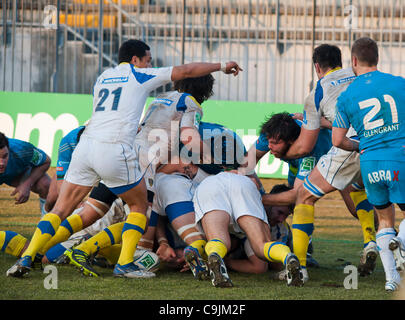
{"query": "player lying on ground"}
{"type": "Point", "coordinates": [24, 167]}
{"type": "Point", "coordinates": [374, 104]}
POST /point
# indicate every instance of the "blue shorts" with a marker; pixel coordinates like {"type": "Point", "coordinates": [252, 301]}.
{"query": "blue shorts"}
{"type": "Point", "coordinates": [384, 181]}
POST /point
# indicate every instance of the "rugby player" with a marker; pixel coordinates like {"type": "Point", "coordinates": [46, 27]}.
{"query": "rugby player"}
{"type": "Point", "coordinates": [24, 167]}
{"type": "Point", "coordinates": [336, 170]}
{"type": "Point", "coordinates": [374, 104]}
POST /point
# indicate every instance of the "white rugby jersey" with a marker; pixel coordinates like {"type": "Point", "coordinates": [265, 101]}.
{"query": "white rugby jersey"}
{"type": "Point", "coordinates": [321, 102]}
{"type": "Point", "coordinates": [119, 97]}
{"type": "Point", "coordinates": [168, 113]}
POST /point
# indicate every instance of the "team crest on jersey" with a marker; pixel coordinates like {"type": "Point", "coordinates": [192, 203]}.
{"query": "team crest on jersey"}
{"type": "Point", "coordinates": [36, 157]}
{"type": "Point", "coordinates": [197, 119]}
{"type": "Point", "coordinates": [307, 165]}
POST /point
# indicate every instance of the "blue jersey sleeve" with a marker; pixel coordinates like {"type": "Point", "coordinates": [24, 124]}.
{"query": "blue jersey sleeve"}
{"type": "Point", "coordinates": [341, 118]}
{"type": "Point", "coordinates": [262, 144]}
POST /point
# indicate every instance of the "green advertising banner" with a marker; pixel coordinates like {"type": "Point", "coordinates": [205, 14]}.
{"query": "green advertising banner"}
{"type": "Point", "coordinates": [44, 118]}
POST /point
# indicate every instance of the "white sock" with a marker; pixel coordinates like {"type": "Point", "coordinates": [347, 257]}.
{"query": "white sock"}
{"type": "Point", "coordinates": [383, 238]}
{"type": "Point", "coordinates": [42, 206]}
{"type": "Point", "coordinates": [401, 233]}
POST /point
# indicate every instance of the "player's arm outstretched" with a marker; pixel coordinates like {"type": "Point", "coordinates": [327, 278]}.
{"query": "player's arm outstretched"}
{"type": "Point", "coordinates": [199, 69]}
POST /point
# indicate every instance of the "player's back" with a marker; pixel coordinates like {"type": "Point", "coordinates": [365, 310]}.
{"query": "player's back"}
{"type": "Point", "coordinates": [375, 105]}
{"type": "Point", "coordinates": [168, 107]}
{"type": "Point", "coordinates": [329, 88]}
{"type": "Point", "coordinates": [321, 102]}
{"type": "Point", "coordinates": [118, 102]}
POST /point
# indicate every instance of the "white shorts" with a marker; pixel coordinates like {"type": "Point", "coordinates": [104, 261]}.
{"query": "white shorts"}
{"type": "Point", "coordinates": [235, 194]}
{"type": "Point", "coordinates": [340, 168]}
{"type": "Point", "coordinates": [170, 189]}
{"type": "Point", "coordinates": [116, 164]}
{"type": "Point", "coordinates": [174, 188]}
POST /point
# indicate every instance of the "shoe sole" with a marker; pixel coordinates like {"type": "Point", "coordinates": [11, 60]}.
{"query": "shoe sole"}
{"type": "Point", "coordinates": [368, 267]}
{"type": "Point", "coordinates": [294, 270]}
{"type": "Point", "coordinates": [191, 260]}
{"type": "Point", "coordinates": [18, 271]}
{"type": "Point", "coordinates": [83, 270]}
{"type": "Point", "coordinates": [130, 275]}
{"type": "Point", "coordinates": [217, 278]}
{"type": "Point", "coordinates": [399, 259]}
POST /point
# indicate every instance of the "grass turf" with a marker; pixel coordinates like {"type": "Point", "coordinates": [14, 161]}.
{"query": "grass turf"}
{"type": "Point", "coordinates": [337, 242]}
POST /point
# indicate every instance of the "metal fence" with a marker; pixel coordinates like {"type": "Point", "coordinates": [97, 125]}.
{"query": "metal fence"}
{"type": "Point", "coordinates": [62, 45]}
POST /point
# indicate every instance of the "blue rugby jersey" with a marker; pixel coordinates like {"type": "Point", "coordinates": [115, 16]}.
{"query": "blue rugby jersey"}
{"type": "Point", "coordinates": [374, 104]}
{"type": "Point", "coordinates": [22, 156]}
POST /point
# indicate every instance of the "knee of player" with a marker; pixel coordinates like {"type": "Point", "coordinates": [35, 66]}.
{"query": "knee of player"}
{"type": "Point", "coordinates": [304, 196]}
{"type": "Point", "coordinates": [41, 187]}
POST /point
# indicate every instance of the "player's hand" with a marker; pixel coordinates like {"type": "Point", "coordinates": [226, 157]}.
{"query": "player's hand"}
{"type": "Point", "coordinates": [298, 116]}
{"type": "Point", "coordinates": [232, 68]}
{"type": "Point", "coordinates": [21, 193]}
{"type": "Point", "coordinates": [165, 252]}
{"type": "Point", "coordinates": [185, 268]}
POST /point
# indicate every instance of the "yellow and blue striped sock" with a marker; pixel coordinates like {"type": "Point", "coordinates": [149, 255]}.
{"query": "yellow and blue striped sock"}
{"type": "Point", "coordinates": [217, 246]}
{"type": "Point", "coordinates": [200, 246]}
{"type": "Point", "coordinates": [132, 232]}
{"type": "Point", "coordinates": [43, 233]}
{"type": "Point", "coordinates": [302, 228]}
{"type": "Point", "coordinates": [111, 253]}
{"type": "Point", "coordinates": [68, 227]}
{"type": "Point", "coordinates": [106, 238]}
{"type": "Point", "coordinates": [276, 251]}
{"type": "Point", "coordinates": [12, 243]}
{"type": "Point", "coordinates": [365, 213]}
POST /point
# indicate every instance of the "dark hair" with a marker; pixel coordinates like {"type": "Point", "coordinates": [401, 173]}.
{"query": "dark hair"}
{"type": "Point", "coordinates": [278, 188]}
{"type": "Point", "coordinates": [132, 48]}
{"type": "Point", "coordinates": [3, 141]}
{"type": "Point", "coordinates": [200, 88]}
{"type": "Point", "coordinates": [281, 126]}
{"type": "Point", "coordinates": [327, 56]}
{"type": "Point", "coordinates": [366, 51]}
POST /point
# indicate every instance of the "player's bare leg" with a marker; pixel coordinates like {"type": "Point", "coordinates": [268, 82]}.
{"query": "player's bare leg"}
{"type": "Point", "coordinates": [386, 232]}
{"type": "Point", "coordinates": [195, 240]}
{"type": "Point", "coordinates": [215, 224]}
{"type": "Point", "coordinates": [258, 233]}
{"type": "Point", "coordinates": [134, 228]}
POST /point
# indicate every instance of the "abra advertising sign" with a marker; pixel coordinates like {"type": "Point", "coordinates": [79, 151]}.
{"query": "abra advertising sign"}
{"type": "Point", "coordinates": [44, 118]}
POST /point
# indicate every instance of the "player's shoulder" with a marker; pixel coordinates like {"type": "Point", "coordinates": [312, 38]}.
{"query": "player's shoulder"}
{"type": "Point", "coordinates": [390, 79]}
{"type": "Point", "coordinates": [337, 78]}
{"type": "Point", "coordinates": [186, 101]}
{"type": "Point", "coordinates": [72, 136]}
{"type": "Point", "coordinates": [18, 145]}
